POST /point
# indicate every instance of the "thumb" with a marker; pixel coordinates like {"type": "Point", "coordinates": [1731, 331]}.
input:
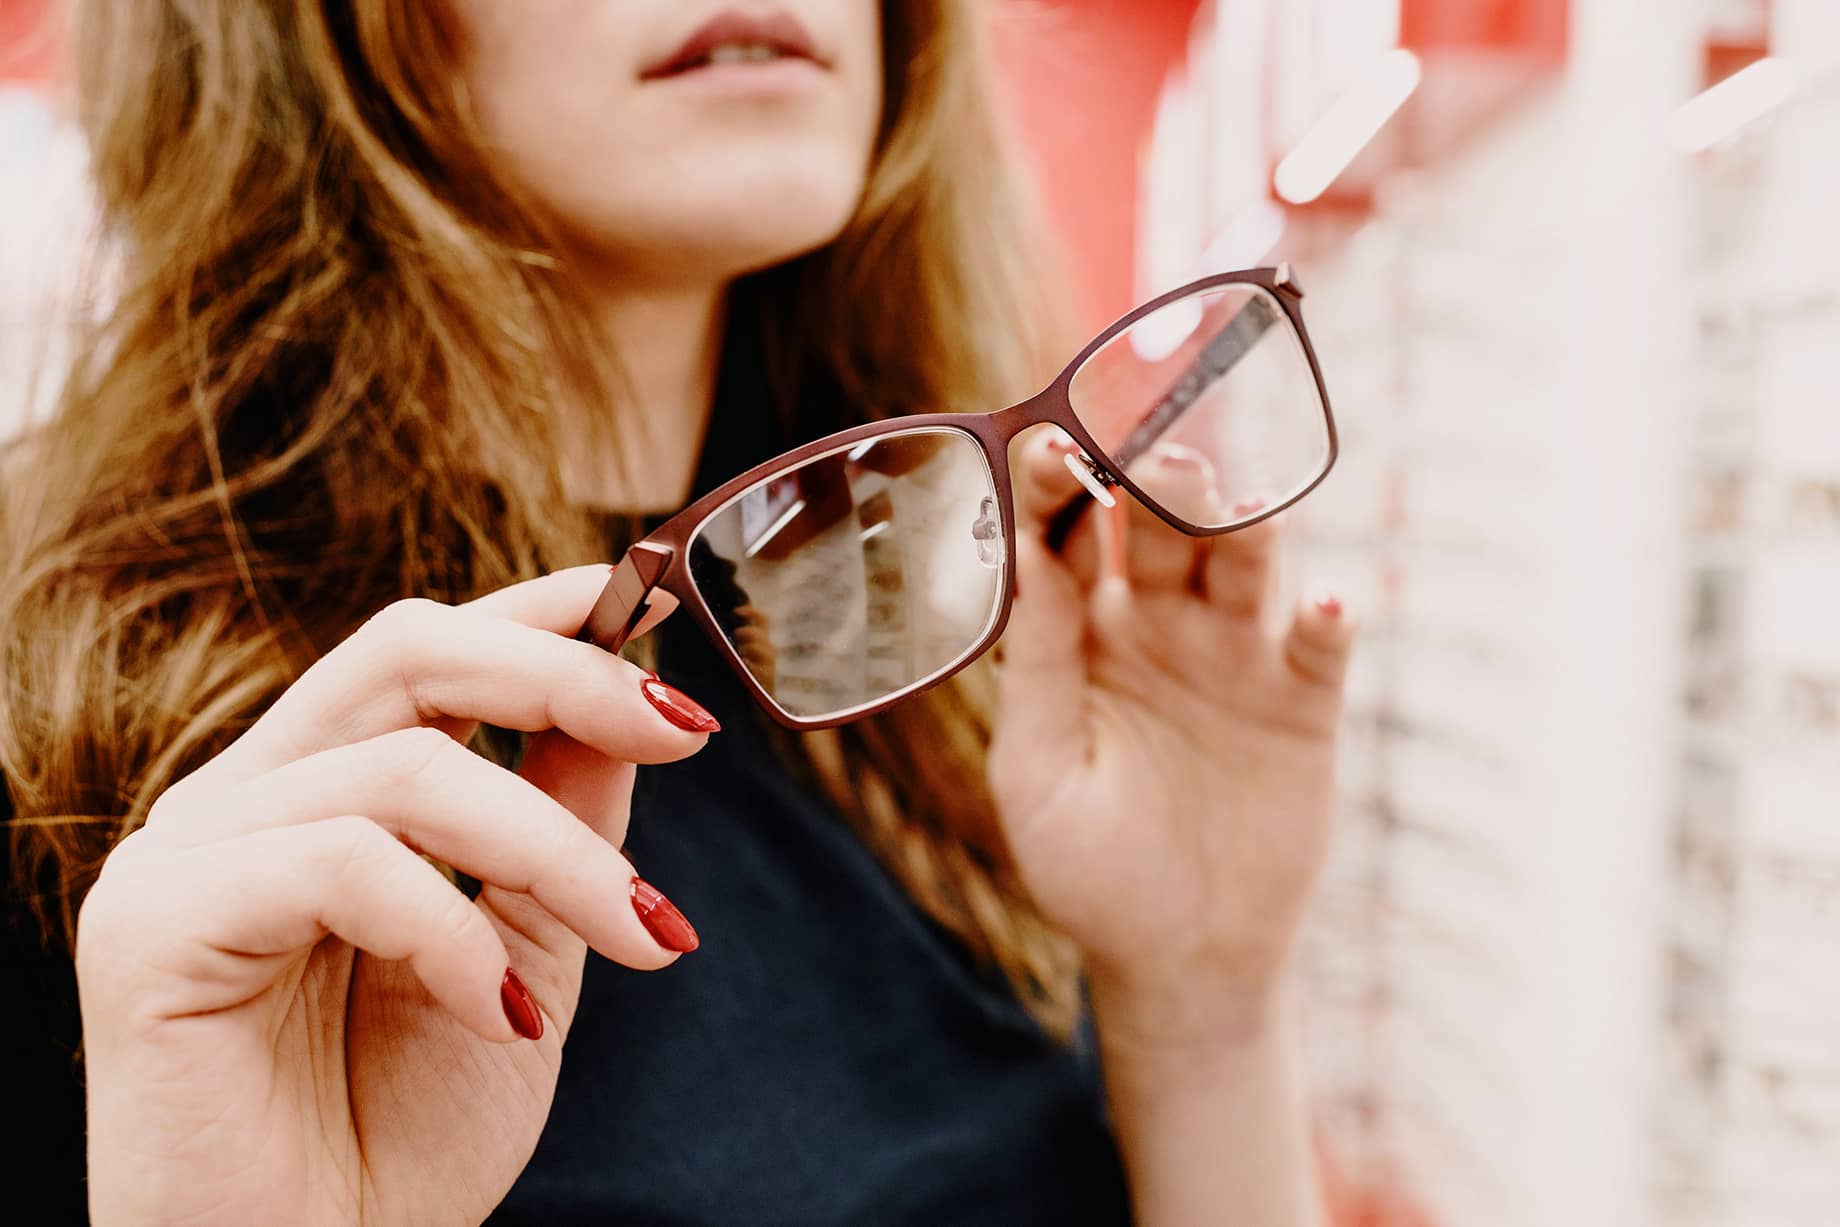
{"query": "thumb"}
{"type": "Point", "coordinates": [1043, 679]}
{"type": "Point", "coordinates": [1044, 487]}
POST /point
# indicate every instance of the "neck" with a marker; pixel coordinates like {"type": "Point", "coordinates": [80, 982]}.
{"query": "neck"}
{"type": "Point", "coordinates": [667, 345]}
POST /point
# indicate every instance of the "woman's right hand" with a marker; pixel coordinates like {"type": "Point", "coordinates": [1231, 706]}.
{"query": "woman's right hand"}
{"type": "Point", "coordinates": [288, 1014]}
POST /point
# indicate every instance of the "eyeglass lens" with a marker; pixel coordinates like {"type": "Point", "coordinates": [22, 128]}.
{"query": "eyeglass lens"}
{"type": "Point", "coordinates": [1209, 404]}
{"type": "Point", "coordinates": [859, 574]}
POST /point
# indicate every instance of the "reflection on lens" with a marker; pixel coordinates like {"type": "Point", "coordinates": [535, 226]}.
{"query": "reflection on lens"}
{"type": "Point", "coordinates": [859, 574]}
{"type": "Point", "coordinates": [1208, 403]}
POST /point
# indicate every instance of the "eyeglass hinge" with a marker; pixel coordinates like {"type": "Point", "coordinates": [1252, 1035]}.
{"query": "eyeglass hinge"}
{"type": "Point", "coordinates": [626, 598]}
{"type": "Point", "coordinates": [1286, 279]}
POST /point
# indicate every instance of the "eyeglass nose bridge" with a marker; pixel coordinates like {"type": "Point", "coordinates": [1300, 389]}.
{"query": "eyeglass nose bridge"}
{"type": "Point", "coordinates": [626, 598]}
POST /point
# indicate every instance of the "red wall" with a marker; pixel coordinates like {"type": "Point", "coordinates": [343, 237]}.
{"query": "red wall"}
{"type": "Point", "coordinates": [28, 43]}
{"type": "Point", "coordinates": [1080, 80]}
{"type": "Point", "coordinates": [1535, 28]}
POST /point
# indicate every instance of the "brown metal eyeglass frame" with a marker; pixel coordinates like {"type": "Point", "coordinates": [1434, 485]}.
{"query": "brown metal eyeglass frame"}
{"type": "Point", "coordinates": [661, 562]}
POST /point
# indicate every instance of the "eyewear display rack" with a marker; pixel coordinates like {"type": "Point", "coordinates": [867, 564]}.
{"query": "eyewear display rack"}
{"type": "Point", "coordinates": [1748, 1125]}
{"type": "Point", "coordinates": [1574, 958]}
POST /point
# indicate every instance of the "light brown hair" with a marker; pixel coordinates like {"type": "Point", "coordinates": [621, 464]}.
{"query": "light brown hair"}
{"type": "Point", "coordinates": [327, 307]}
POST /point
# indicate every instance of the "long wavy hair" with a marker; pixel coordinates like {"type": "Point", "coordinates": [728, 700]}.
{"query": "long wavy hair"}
{"type": "Point", "coordinates": [328, 306]}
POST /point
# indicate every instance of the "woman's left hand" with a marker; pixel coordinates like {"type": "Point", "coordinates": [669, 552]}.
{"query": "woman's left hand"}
{"type": "Point", "coordinates": [1164, 759]}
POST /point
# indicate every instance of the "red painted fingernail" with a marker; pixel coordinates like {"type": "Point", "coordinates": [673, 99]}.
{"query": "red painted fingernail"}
{"type": "Point", "coordinates": [1248, 506]}
{"type": "Point", "coordinates": [661, 919]}
{"type": "Point", "coordinates": [1331, 606]}
{"type": "Point", "coordinates": [679, 708]}
{"type": "Point", "coordinates": [520, 1007]}
{"type": "Point", "coordinates": [1061, 445]}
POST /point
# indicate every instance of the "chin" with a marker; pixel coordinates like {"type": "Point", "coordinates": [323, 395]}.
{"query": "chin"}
{"type": "Point", "coordinates": [719, 218]}
{"type": "Point", "coordinates": [792, 225]}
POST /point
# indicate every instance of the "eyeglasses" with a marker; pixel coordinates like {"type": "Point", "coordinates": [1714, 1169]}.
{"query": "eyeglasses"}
{"type": "Point", "coordinates": [848, 574]}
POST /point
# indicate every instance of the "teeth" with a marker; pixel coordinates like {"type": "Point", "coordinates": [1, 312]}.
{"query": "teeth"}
{"type": "Point", "coordinates": [743, 53]}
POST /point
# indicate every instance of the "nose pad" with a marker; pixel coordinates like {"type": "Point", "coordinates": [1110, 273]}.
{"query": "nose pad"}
{"type": "Point", "coordinates": [1094, 478]}
{"type": "Point", "coordinates": [987, 531]}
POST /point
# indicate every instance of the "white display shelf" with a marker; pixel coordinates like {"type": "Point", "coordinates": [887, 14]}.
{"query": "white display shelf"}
{"type": "Point", "coordinates": [1561, 971]}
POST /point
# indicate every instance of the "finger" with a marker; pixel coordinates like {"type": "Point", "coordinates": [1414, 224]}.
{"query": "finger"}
{"type": "Point", "coordinates": [1042, 486]}
{"type": "Point", "coordinates": [598, 791]}
{"type": "Point", "coordinates": [440, 798]}
{"type": "Point", "coordinates": [1044, 656]}
{"type": "Point", "coordinates": [658, 606]}
{"type": "Point", "coordinates": [558, 602]}
{"type": "Point", "coordinates": [1241, 569]}
{"type": "Point", "coordinates": [277, 891]}
{"type": "Point", "coordinates": [561, 601]}
{"type": "Point", "coordinates": [420, 662]}
{"type": "Point", "coordinates": [1157, 556]}
{"type": "Point", "coordinates": [594, 788]}
{"type": "Point", "coordinates": [1046, 623]}
{"type": "Point", "coordinates": [1320, 641]}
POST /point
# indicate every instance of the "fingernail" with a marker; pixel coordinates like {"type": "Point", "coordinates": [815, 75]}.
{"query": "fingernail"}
{"type": "Point", "coordinates": [661, 919]}
{"type": "Point", "coordinates": [1061, 445]}
{"type": "Point", "coordinates": [520, 1007]}
{"type": "Point", "coordinates": [1248, 506]}
{"type": "Point", "coordinates": [1331, 605]}
{"type": "Point", "coordinates": [679, 708]}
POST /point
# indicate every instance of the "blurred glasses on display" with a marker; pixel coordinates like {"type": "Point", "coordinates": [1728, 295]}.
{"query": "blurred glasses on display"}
{"type": "Point", "coordinates": [848, 574]}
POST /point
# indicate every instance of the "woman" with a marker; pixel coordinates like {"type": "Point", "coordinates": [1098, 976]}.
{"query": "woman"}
{"type": "Point", "coordinates": [439, 305]}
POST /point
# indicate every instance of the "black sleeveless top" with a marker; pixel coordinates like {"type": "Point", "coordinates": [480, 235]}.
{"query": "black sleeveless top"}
{"type": "Point", "coordinates": [828, 1056]}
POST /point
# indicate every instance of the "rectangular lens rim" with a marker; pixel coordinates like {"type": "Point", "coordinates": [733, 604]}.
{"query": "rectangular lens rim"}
{"type": "Point", "coordinates": [845, 442]}
{"type": "Point", "coordinates": [1284, 313]}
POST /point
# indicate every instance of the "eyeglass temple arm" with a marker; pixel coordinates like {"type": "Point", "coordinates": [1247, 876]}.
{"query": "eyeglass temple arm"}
{"type": "Point", "coordinates": [1216, 358]}
{"type": "Point", "coordinates": [626, 599]}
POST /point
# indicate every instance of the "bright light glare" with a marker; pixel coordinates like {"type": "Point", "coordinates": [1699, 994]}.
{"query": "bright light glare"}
{"type": "Point", "coordinates": [1162, 332]}
{"type": "Point", "coordinates": [773, 530]}
{"type": "Point", "coordinates": [1246, 240]}
{"type": "Point", "coordinates": [1347, 127]}
{"type": "Point", "coordinates": [1738, 100]}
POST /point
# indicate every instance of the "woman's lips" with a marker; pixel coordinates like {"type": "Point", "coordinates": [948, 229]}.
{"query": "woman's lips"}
{"type": "Point", "coordinates": [732, 39]}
